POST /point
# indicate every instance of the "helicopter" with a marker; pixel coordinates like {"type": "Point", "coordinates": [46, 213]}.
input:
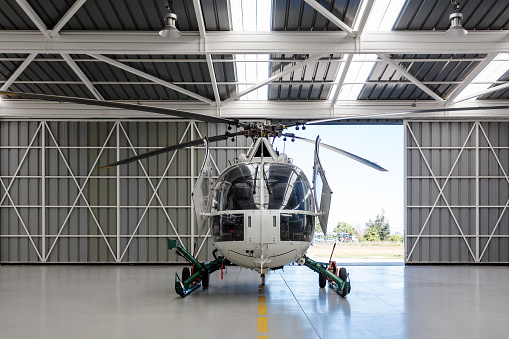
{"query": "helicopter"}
{"type": "Point", "coordinates": [262, 209]}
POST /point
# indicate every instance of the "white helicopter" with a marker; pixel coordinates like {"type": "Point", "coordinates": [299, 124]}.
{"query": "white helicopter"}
{"type": "Point", "coordinates": [261, 210]}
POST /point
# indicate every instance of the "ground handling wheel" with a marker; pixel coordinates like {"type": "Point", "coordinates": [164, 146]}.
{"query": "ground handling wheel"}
{"type": "Point", "coordinates": [205, 280]}
{"type": "Point", "coordinates": [343, 275]}
{"type": "Point", "coordinates": [322, 280]}
{"type": "Point", "coordinates": [186, 273]}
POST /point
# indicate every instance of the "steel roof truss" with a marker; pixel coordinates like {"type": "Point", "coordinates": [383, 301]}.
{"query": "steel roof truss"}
{"type": "Point", "coordinates": [18, 71]}
{"type": "Point", "coordinates": [82, 76]}
{"type": "Point", "coordinates": [67, 16]}
{"type": "Point", "coordinates": [150, 77]}
{"type": "Point", "coordinates": [341, 80]}
{"type": "Point", "coordinates": [410, 77]}
{"type": "Point", "coordinates": [470, 77]}
{"type": "Point", "coordinates": [301, 64]}
{"type": "Point", "coordinates": [331, 17]}
{"type": "Point", "coordinates": [34, 17]}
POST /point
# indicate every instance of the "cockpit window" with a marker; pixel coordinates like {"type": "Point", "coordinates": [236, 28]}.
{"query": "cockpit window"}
{"type": "Point", "coordinates": [237, 189]}
{"type": "Point", "coordinates": [289, 188]}
{"type": "Point", "coordinates": [284, 187]}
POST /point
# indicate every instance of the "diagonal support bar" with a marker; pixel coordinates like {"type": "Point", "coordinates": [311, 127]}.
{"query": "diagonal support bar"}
{"type": "Point", "coordinates": [331, 17]}
{"type": "Point", "coordinates": [275, 76]}
{"type": "Point", "coordinates": [468, 80]}
{"type": "Point", "coordinates": [341, 80]}
{"type": "Point", "coordinates": [34, 17]}
{"type": "Point", "coordinates": [67, 16]}
{"type": "Point", "coordinates": [150, 77]}
{"type": "Point", "coordinates": [410, 77]}
{"type": "Point", "coordinates": [17, 72]}
{"type": "Point", "coordinates": [82, 76]}
{"type": "Point", "coordinates": [486, 91]}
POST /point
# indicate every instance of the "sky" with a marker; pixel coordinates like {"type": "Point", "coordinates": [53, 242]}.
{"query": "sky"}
{"type": "Point", "coordinates": [359, 192]}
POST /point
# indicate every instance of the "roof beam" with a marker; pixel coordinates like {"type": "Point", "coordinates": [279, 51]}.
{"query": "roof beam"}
{"type": "Point", "coordinates": [203, 35]}
{"type": "Point", "coordinates": [67, 16]}
{"type": "Point", "coordinates": [273, 42]}
{"type": "Point", "coordinates": [473, 74]}
{"type": "Point", "coordinates": [199, 18]}
{"type": "Point", "coordinates": [362, 16]}
{"type": "Point", "coordinates": [331, 17]}
{"type": "Point", "coordinates": [341, 80]}
{"type": "Point", "coordinates": [34, 17]}
{"type": "Point", "coordinates": [82, 76]}
{"type": "Point", "coordinates": [298, 65]}
{"type": "Point", "coordinates": [151, 78]}
{"type": "Point", "coordinates": [18, 108]}
{"type": "Point", "coordinates": [17, 72]}
{"type": "Point", "coordinates": [412, 78]}
{"type": "Point", "coordinates": [212, 74]}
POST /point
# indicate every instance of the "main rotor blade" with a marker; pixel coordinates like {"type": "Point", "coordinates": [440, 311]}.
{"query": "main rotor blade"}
{"type": "Point", "coordinates": [172, 148]}
{"type": "Point", "coordinates": [387, 114]}
{"type": "Point", "coordinates": [122, 105]}
{"type": "Point", "coordinates": [345, 153]}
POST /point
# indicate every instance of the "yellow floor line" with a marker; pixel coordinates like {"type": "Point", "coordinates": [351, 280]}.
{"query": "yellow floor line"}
{"type": "Point", "coordinates": [263, 322]}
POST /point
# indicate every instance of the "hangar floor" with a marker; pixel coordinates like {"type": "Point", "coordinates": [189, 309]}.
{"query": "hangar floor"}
{"type": "Point", "coordinates": [387, 301]}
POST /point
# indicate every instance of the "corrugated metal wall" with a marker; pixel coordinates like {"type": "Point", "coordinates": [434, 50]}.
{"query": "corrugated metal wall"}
{"type": "Point", "coordinates": [457, 192]}
{"type": "Point", "coordinates": [56, 205]}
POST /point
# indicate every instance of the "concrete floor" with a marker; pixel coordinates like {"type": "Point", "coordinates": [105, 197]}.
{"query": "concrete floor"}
{"type": "Point", "coordinates": [391, 301]}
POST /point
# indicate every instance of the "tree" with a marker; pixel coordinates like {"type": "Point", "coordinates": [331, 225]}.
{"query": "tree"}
{"type": "Point", "coordinates": [378, 229]}
{"type": "Point", "coordinates": [345, 227]}
{"type": "Point", "coordinates": [371, 234]}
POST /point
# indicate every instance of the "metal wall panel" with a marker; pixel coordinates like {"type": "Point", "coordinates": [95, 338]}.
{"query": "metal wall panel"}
{"type": "Point", "coordinates": [58, 206]}
{"type": "Point", "coordinates": [457, 192]}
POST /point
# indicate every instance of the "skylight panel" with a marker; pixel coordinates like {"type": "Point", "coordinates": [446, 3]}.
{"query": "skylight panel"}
{"type": "Point", "coordinates": [494, 71]}
{"type": "Point", "coordinates": [383, 15]}
{"type": "Point", "coordinates": [251, 15]}
{"type": "Point", "coordinates": [382, 18]}
{"type": "Point", "coordinates": [359, 71]}
{"type": "Point", "coordinates": [252, 69]}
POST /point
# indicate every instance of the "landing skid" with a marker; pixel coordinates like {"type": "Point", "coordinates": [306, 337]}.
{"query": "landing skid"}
{"type": "Point", "coordinates": [200, 274]}
{"type": "Point", "coordinates": [340, 284]}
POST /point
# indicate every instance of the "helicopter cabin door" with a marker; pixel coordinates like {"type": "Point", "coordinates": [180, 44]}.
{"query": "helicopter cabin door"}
{"type": "Point", "coordinates": [322, 189]}
{"type": "Point", "coordinates": [202, 192]}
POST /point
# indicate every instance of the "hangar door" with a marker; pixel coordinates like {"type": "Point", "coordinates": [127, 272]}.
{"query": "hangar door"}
{"type": "Point", "coordinates": [457, 192]}
{"type": "Point", "coordinates": [56, 205]}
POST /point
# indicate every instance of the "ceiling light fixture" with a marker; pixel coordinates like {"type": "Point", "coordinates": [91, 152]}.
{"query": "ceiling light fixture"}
{"type": "Point", "coordinates": [456, 30]}
{"type": "Point", "coordinates": [170, 30]}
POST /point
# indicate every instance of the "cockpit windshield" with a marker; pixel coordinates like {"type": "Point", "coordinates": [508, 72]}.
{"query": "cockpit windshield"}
{"type": "Point", "coordinates": [237, 188]}
{"type": "Point", "coordinates": [283, 186]}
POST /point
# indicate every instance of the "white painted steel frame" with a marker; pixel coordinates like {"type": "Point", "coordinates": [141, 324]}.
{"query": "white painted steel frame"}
{"type": "Point", "coordinates": [475, 131]}
{"type": "Point", "coordinates": [349, 41]}
{"type": "Point", "coordinates": [117, 131]}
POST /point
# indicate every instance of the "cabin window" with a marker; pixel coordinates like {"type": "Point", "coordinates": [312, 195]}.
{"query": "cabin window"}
{"type": "Point", "coordinates": [296, 227]}
{"type": "Point", "coordinates": [228, 227]}
{"type": "Point", "coordinates": [237, 189]}
{"type": "Point", "coordinates": [288, 188]}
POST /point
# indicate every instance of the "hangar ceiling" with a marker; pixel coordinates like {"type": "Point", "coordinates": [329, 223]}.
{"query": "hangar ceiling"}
{"type": "Point", "coordinates": [275, 59]}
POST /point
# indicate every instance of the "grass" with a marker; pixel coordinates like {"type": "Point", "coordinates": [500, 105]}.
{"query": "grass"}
{"type": "Point", "coordinates": [360, 250]}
